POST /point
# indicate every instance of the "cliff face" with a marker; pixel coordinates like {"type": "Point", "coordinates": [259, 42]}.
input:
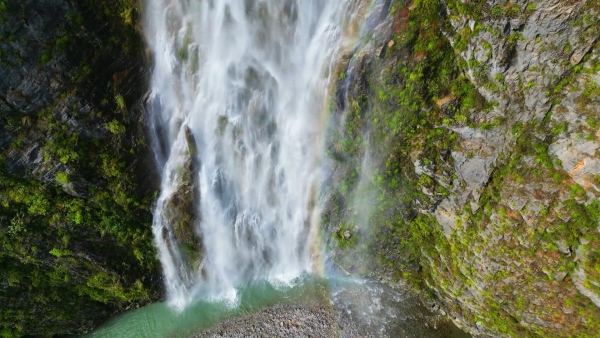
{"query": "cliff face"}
{"type": "Point", "coordinates": [481, 118]}
{"type": "Point", "coordinates": [465, 149]}
{"type": "Point", "coordinates": [526, 197]}
{"type": "Point", "coordinates": [75, 186]}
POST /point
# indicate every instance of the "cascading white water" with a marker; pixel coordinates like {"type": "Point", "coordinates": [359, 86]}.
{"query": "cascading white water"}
{"type": "Point", "coordinates": [239, 107]}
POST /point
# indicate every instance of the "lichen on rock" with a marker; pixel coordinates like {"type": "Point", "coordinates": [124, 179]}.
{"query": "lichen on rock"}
{"type": "Point", "coordinates": [494, 196]}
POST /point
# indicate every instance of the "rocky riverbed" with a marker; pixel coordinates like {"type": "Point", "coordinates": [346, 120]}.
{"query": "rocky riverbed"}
{"type": "Point", "coordinates": [352, 310]}
{"type": "Point", "coordinates": [312, 321]}
{"type": "Point", "coordinates": [280, 321]}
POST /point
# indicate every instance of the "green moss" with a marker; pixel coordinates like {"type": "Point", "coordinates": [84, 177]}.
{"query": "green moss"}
{"type": "Point", "coordinates": [408, 126]}
{"type": "Point", "coordinates": [70, 260]}
{"type": "Point", "coordinates": [60, 252]}
{"type": "Point", "coordinates": [45, 57]}
{"type": "Point", "coordinates": [116, 127]}
{"type": "Point", "coordinates": [62, 178]}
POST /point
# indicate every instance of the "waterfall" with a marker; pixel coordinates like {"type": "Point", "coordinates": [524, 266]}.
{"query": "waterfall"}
{"type": "Point", "coordinates": [238, 111]}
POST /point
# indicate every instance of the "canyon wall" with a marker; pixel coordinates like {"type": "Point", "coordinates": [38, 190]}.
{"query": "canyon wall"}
{"type": "Point", "coordinates": [463, 148]}
{"type": "Point", "coordinates": [480, 119]}
{"type": "Point", "coordinates": [74, 179]}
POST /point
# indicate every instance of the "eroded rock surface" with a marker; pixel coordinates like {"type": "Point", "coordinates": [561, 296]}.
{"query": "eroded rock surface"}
{"type": "Point", "coordinates": [488, 160]}
{"type": "Point", "coordinates": [75, 190]}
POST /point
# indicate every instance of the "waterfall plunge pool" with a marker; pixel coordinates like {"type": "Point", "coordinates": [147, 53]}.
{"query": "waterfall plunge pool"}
{"type": "Point", "coordinates": [358, 308]}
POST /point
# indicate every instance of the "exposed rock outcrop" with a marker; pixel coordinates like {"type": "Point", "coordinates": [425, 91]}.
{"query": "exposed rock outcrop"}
{"type": "Point", "coordinates": [75, 191]}
{"type": "Point", "coordinates": [484, 119]}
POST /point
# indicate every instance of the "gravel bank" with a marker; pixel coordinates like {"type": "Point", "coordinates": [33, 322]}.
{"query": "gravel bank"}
{"type": "Point", "coordinates": [280, 321]}
{"type": "Point", "coordinates": [324, 321]}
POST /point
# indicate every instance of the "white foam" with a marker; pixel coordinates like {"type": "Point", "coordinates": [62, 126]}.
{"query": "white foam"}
{"type": "Point", "coordinates": [250, 80]}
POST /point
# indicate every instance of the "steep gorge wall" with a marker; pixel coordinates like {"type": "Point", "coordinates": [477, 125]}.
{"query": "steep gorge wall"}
{"type": "Point", "coordinates": [75, 188]}
{"type": "Point", "coordinates": [482, 117]}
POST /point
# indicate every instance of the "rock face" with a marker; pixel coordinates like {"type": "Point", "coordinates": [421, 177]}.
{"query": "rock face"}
{"type": "Point", "coordinates": [182, 215]}
{"type": "Point", "coordinates": [465, 148]}
{"type": "Point", "coordinates": [537, 63]}
{"type": "Point", "coordinates": [74, 189]}
{"type": "Point", "coordinates": [483, 118]}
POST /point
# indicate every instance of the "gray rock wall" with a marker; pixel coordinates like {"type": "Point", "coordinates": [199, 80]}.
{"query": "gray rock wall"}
{"type": "Point", "coordinates": [497, 191]}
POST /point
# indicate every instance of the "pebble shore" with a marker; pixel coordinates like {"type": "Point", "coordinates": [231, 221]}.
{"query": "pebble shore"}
{"type": "Point", "coordinates": [279, 321]}
{"type": "Point", "coordinates": [317, 321]}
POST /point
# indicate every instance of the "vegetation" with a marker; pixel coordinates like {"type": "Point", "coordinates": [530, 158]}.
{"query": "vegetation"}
{"type": "Point", "coordinates": [78, 246]}
{"type": "Point", "coordinates": [498, 265]}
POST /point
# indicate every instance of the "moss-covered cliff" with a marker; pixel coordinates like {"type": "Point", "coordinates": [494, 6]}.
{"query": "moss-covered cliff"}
{"type": "Point", "coordinates": [464, 149]}
{"type": "Point", "coordinates": [481, 120]}
{"type": "Point", "coordinates": [75, 189]}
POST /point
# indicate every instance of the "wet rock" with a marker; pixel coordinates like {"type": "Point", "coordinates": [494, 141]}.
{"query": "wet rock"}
{"type": "Point", "coordinates": [531, 61]}
{"type": "Point", "coordinates": [279, 321]}
{"type": "Point", "coordinates": [181, 214]}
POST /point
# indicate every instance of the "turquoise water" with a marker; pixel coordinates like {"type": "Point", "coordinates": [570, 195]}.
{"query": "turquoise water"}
{"type": "Point", "coordinates": [373, 307]}
{"type": "Point", "coordinates": [159, 320]}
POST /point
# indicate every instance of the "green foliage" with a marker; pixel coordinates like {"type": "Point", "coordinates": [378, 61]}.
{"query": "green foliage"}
{"type": "Point", "coordinates": [409, 128]}
{"type": "Point", "coordinates": [120, 100]}
{"type": "Point", "coordinates": [62, 178]}
{"type": "Point", "coordinates": [346, 237]}
{"type": "Point", "coordinates": [104, 287]}
{"type": "Point", "coordinates": [464, 89]}
{"type": "Point", "coordinates": [401, 102]}
{"type": "Point", "coordinates": [116, 127]}
{"type": "Point", "coordinates": [497, 12]}
{"type": "Point", "coordinates": [60, 252]}
{"type": "Point", "coordinates": [72, 257]}
{"type": "Point", "coordinates": [17, 225]}
{"type": "Point", "coordinates": [591, 90]}
{"type": "Point", "coordinates": [45, 57]}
